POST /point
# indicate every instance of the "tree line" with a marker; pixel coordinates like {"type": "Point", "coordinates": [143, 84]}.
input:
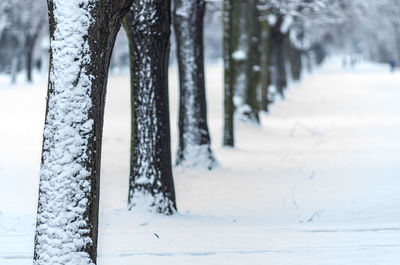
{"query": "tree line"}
{"type": "Point", "coordinates": [266, 43]}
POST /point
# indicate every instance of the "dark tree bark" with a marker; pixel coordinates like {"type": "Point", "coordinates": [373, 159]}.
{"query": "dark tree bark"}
{"type": "Point", "coordinates": [279, 56]}
{"type": "Point", "coordinates": [194, 139]}
{"type": "Point", "coordinates": [150, 183]}
{"type": "Point", "coordinates": [265, 62]}
{"type": "Point", "coordinates": [30, 42]}
{"type": "Point", "coordinates": [82, 37]}
{"type": "Point", "coordinates": [253, 65]}
{"type": "Point", "coordinates": [295, 62]}
{"type": "Point", "coordinates": [295, 51]}
{"type": "Point", "coordinates": [319, 52]}
{"type": "Point", "coordinates": [229, 78]}
{"type": "Point", "coordinates": [28, 60]}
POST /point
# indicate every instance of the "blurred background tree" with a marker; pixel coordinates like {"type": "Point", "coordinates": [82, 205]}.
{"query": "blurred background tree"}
{"type": "Point", "coordinates": [23, 23]}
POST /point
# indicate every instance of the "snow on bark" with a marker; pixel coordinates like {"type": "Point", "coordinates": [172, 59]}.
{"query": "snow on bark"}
{"type": "Point", "coordinates": [63, 231]}
{"type": "Point", "coordinates": [151, 184]}
{"type": "Point", "coordinates": [194, 140]}
{"type": "Point", "coordinates": [239, 55]}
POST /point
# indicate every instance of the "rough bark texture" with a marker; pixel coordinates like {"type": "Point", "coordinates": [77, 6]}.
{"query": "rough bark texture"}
{"type": "Point", "coordinates": [150, 183]}
{"type": "Point", "coordinates": [229, 78]}
{"type": "Point", "coordinates": [82, 37]}
{"type": "Point", "coordinates": [194, 139]}
{"type": "Point", "coordinates": [253, 65]}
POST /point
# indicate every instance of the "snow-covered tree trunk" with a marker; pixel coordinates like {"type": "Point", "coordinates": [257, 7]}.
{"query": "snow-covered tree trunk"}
{"type": "Point", "coordinates": [150, 184]}
{"type": "Point", "coordinates": [82, 37]}
{"type": "Point", "coordinates": [253, 62]}
{"type": "Point", "coordinates": [229, 78]}
{"type": "Point", "coordinates": [194, 139]}
{"type": "Point", "coordinates": [240, 46]}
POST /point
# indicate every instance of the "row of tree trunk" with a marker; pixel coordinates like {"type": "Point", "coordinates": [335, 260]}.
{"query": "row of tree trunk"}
{"type": "Point", "coordinates": [82, 38]}
{"type": "Point", "coordinates": [258, 56]}
{"type": "Point", "coordinates": [17, 50]}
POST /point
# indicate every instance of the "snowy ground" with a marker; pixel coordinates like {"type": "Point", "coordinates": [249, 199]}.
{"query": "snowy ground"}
{"type": "Point", "coordinates": [318, 183]}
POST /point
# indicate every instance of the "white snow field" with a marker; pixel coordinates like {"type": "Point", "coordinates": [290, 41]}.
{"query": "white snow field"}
{"type": "Point", "coordinates": [317, 183]}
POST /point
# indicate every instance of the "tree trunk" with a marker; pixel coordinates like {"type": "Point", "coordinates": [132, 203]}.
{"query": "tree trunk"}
{"type": "Point", "coordinates": [240, 47]}
{"type": "Point", "coordinates": [279, 57]}
{"type": "Point", "coordinates": [30, 41]}
{"type": "Point", "coordinates": [150, 183]}
{"type": "Point", "coordinates": [14, 68]}
{"type": "Point", "coordinates": [29, 55]}
{"type": "Point", "coordinates": [309, 61]}
{"type": "Point", "coordinates": [295, 62]}
{"type": "Point", "coordinates": [229, 78]}
{"type": "Point", "coordinates": [320, 53]}
{"type": "Point", "coordinates": [194, 139]}
{"type": "Point", "coordinates": [265, 63]}
{"type": "Point", "coordinates": [82, 37]}
{"type": "Point", "coordinates": [253, 62]}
